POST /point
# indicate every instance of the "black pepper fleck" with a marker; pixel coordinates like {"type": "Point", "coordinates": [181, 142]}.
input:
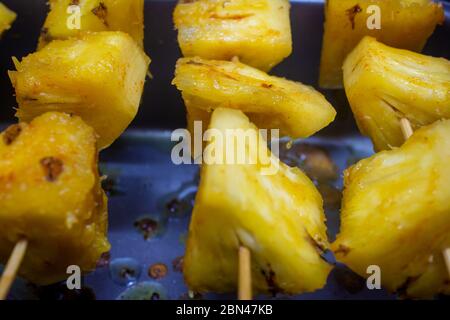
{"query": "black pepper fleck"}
{"type": "Point", "coordinates": [11, 133]}
{"type": "Point", "coordinates": [53, 167]}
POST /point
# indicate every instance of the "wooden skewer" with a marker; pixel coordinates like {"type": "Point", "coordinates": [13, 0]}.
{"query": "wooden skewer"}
{"type": "Point", "coordinates": [11, 268]}
{"type": "Point", "coordinates": [407, 133]}
{"type": "Point", "coordinates": [446, 253]}
{"type": "Point", "coordinates": [245, 274]}
{"type": "Point", "coordinates": [245, 261]}
{"type": "Point", "coordinates": [406, 128]}
{"type": "Point", "coordinates": [235, 59]}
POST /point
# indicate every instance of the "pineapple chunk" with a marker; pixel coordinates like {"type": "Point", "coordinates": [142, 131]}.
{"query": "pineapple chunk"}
{"type": "Point", "coordinates": [405, 24]}
{"type": "Point", "coordinates": [7, 17]}
{"type": "Point", "coordinates": [50, 193]}
{"type": "Point", "coordinates": [99, 77]}
{"type": "Point", "coordinates": [256, 31]}
{"type": "Point", "coordinates": [274, 103]}
{"type": "Point", "coordinates": [384, 84]}
{"type": "Point", "coordinates": [396, 214]}
{"type": "Point", "coordinates": [96, 15]}
{"type": "Point", "coordinates": [278, 217]}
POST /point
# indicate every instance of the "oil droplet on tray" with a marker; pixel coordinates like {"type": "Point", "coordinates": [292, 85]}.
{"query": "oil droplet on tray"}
{"type": "Point", "coordinates": [190, 295]}
{"type": "Point", "coordinates": [314, 160]}
{"type": "Point", "coordinates": [147, 290]}
{"type": "Point", "coordinates": [180, 203]}
{"type": "Point", "coordinates": [110, 181]}
{"type": "Point", "coordinates": [177, 264]}
{"type": "Point", "coordinates": [149, 227]}
{"type": "Point", "coordinates": [158, 271]}
{"type": "Point", "coordinates": [104, 260]}
{"type": "Point", "coordinates": [125, 271]}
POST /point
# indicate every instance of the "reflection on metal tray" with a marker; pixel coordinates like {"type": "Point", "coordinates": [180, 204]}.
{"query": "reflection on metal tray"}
{"type": "Point", "coordinates": [150, 198]}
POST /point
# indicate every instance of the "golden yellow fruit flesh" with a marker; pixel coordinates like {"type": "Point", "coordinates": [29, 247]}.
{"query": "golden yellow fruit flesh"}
{"type": "Point", "coordinates": [278, 217]}
{"type": "Point", "coordinates": [385, 84]}
{"type": "Point", "coordinates": [297, 110]}
{"type": "Point", "coordinates": [396, 214]}
{"type": "Point", "coordinates": [256, 31]}
{"type": "Point", "coordinates": [405, 24]}
{"type": "Point", "coordinates": [99, 77]}
{"type": "Point", "coordinates": [50, 193]}
{"type": "Point", "coordinates": [7, 17]}
{"type": "Point", "coordinates": [69, 18]}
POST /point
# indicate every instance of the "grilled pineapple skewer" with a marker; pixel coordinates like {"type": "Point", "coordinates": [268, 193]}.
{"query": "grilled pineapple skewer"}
{"type": "Point", "coordinates": [95, 15]}
{"type": "Point", "coordinates": [99, 77]}
{"type": "Point", "coordinates": [110, 58]}
{"type": "Point", "coordinates": [418, 174]}
{"type": "Point", "coordinates": [407, 133]}
{"type": "Point", "coordinates": [278, 217]}
{"type": "Point", "coordinates": [52, 195]}
{"type": "Point", "coordinates": [7, 17]}
{"type": "Point", "coordinates": [405, 24]}
{"type": "Point", "coordinates": [270, 102]}
{"type": "Point", "coordinates": [256, 31]}
{"type": "Point", "coordinates": [202, 27]}
{"type": "Point", "coordinates": [384, 85]}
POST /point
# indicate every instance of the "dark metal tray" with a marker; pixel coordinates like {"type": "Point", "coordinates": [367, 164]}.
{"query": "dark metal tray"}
{"type": "Point", "coordinates": [148, 193]}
